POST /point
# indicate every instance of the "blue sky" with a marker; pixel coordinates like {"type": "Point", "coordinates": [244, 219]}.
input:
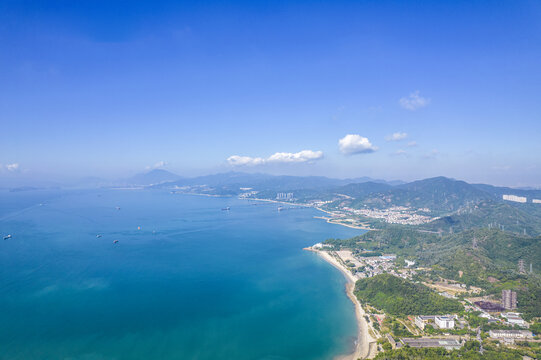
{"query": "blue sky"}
{"type": "Point", "coordinates": [110, 88]}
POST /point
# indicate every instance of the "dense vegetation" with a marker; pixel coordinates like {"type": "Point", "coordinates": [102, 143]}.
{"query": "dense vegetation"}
{"type": "Point", "coordinates": [470, 351]}
{"type": "Point", "coordinates": [493, 214]}
{"type": "Point", "coordinates": [478, 257]}
{"type": "Point", "coordinates": [397, 296]}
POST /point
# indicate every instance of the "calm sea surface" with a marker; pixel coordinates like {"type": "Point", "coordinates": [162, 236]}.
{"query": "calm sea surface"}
{"type": "Point", "coordinates": [194, 282]}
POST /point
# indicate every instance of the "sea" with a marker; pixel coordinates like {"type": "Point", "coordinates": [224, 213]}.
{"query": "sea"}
{"type": "Point", "coordinates": [147, 274]}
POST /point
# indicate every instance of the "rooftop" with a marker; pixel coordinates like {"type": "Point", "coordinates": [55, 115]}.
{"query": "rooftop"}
{"type": "Point", "coordinates": [431, 342]}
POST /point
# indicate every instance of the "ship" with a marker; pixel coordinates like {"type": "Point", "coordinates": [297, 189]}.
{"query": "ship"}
{"type": "Point", "coordinates": [7, 237]}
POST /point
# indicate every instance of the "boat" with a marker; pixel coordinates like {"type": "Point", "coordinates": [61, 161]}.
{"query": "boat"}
{"type": "Point", "coordinates": [118, 208]}
{"type": "Point", "coordinates": [226, 208]}
{"type": "Point", "coordinates": [7, 237]}
{"type": "Point", "coordinates": [98, 236]}
{"type": "Point", "coordinates": [280, 208]}
{"type": "Point", "coordinates": [115, 241]}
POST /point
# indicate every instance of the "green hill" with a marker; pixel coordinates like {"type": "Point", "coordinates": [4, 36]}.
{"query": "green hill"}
{"type": "Point", "coordinates": [397, 296]}
{"type": "Point", "coordinates": [489, 214]}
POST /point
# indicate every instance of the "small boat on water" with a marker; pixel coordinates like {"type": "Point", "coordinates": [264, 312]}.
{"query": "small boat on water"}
{"type": "Point", "coordinates": [98, 236]}
{"type": "Point", "coordinates": [7, 237]}
{"type": "Point", "coordinates": [226, 208]}
{"type": "Point", "coordinates": [280, 208]}
{"type": "Point", "coordinates": [115, 241]}
{"type": "Point", "coordinates": [118, 208]}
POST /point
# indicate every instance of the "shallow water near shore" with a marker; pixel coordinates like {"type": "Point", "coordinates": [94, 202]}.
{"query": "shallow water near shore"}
{"type": "Point", "coordinates": [194, 282]}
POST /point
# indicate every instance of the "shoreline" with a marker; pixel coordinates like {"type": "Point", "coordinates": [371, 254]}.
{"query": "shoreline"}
{"type": "Point", "coordinates": [337, 222]}
{"type": "Point", "coordinates": [362, 346]}
{"type": "Point", "coordinates": [328, 220]}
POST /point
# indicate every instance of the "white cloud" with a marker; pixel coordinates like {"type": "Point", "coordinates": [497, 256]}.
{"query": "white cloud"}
{"type": "Point", "coordinates": [400, 152]}
{"type": "Point", "coordinates": [397, 136]}
{"type": "Point", "coordinates": [158, 165]}
{"type": "Point", "coordinates": [414, 101]}
{"type": "Point", "coordinates": [412, 143]}
{"type": "Point", "coordinates": [355, 144]}
{"type": "Point", "coordinates": [237, 160]}
{"type": "Point", "coordinates": [279, 157]}
{"type": "Point", "coordinates": [301, 156]}
{"type": "Point", "coordinates": [12, 167]}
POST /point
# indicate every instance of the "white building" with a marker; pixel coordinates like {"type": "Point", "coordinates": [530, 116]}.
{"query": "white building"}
{"type": "Point", "coordinates": [422, 320]}
{"type": "Point", "coordinates": [445, 322]}
{"type": "Point", "coordinates": [514, 198]}
{"type": "Point", "coordinates": [510, 334]}
{"type": "Point", "coordinates": [284, 196]}
{"type": "Point", "coordinates": [514, 319]}
{"type": "Point", "coordinates": [409, 263]}
{"type": "Point", "coordinates": [448, 344]}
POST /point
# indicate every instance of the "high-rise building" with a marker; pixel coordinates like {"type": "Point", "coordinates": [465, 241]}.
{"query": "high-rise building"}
{"type": "Point", "coordinates": [521, 268]}
{"type": "Point", "coordinates": [284, 196]}
{"type": "Point", "coordinates": [509, 299]}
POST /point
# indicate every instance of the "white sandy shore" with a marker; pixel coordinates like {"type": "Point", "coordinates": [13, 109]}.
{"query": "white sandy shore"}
{"type": "Point", "coordinates": [362, 348]}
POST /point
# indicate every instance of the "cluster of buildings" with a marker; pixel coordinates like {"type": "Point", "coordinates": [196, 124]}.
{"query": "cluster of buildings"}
{"type": "Point", "coordinates": [437, 321]}
{"type": "Point", "coordinates": [519, 199]}
{"type": "Point", "coordinates": [375, 265]}
{"type": "Point", "coordinates": [513, 318]}
{"type": "Point", "coordinates": [495, 312]}
{"type": "Point", "coordinates": [394, 215]}
{"type": "Point", "coordinates": [248, 193]}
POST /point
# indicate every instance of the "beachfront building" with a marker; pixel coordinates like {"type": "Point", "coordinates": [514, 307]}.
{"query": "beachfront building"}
{"type": "Point", "coordinates": [445, 322]}
{"type": "Point", "coordinates": [448, 344]}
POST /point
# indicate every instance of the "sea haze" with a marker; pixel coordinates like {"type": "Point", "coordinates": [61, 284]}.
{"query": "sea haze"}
{"type": "Point", "coordinates": [195, 282]}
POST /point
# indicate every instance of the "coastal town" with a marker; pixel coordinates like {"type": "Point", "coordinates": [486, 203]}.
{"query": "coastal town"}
{"type": "Point", "coordinates": [485, 319]}
{"type": "Point", "coordinates": [339, 212]}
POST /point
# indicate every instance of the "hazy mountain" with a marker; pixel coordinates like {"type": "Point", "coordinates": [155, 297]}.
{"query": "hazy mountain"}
{"type": "Point", "coordinates": [498, 191]}
{"type": "Point", "coordinates": [442, 193]}
{"type": "Point", "coordinates": [258, 181]}
{"type": "Point", "coordinates": [361, 190]}
{"type": "Point", "coordinates": [152, 177]}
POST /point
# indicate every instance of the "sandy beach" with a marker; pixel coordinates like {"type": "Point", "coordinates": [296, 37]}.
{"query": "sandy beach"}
{"type": "Point", "coordinates": [362, 348]}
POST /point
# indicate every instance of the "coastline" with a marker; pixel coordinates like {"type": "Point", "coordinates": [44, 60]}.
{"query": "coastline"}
{"type": "Point", "coordinates": [362, 347]}
{"type": "Point", "coordinates": [328, 220]}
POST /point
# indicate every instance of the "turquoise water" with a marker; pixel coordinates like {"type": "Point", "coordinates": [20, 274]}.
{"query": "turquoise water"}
{"type": "Point", "coordinates": [195, 282]}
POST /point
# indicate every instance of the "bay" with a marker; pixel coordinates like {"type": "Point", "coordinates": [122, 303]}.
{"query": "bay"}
{"type": "Point", "coordinates": [186, 279]}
